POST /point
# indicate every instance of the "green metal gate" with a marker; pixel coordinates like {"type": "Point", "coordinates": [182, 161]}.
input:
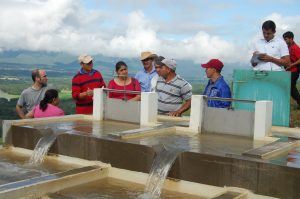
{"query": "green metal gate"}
{"type": "Point", "coordinates": [264, 85]}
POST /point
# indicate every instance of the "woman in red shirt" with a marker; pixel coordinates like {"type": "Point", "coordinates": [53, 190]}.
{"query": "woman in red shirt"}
{"type": "Point", "coordinates": [123, 82]}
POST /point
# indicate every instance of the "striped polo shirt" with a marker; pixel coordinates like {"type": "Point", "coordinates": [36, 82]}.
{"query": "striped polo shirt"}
{"type": "Point", "coordinates": [172, 94]}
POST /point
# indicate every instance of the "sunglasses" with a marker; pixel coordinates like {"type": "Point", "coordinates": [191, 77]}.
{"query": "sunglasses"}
{"type": "Point", "coordinates": [145, 60]}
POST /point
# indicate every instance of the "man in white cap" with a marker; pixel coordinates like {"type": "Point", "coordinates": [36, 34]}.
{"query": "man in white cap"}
{"type": "Point", "coordinates": [83, 84]}
{"type": "Point", "coordinates": [144, 76]}
{"type": "Point", "coordinates": [174, 93]}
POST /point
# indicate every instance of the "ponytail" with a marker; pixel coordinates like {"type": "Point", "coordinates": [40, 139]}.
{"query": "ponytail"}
{"type": "Point", "coordinates": [48, 98]}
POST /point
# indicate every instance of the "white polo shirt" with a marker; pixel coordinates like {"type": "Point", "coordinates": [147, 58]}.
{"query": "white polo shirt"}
{"type": "Point", "coordinates": [275, 47]}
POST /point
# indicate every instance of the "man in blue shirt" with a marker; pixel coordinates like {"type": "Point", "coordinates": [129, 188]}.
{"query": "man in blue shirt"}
{"type": "Point", "coordinates": [144, 76]}
{"type": "Point", "coordinates": [216, 87]}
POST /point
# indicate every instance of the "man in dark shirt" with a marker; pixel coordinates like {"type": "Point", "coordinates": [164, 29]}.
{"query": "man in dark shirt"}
{"type": "Point", "coordinates": [294, 66]}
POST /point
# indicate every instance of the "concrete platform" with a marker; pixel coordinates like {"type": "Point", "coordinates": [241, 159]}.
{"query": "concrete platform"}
{"type": "Point", "coordinates": [208, 158]}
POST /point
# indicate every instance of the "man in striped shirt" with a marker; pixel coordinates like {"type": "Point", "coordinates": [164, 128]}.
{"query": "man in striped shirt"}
{"type": "Point", "coordinates": [174, 93]}
{"type": "Point", "coordinates": [83, 84]}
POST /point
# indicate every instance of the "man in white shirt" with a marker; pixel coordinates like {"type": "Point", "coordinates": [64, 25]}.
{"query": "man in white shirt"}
{"type": "Point", "coordinates": [270, 53]}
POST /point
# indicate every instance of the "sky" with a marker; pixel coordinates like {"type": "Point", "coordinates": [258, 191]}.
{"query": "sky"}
{"type": "Point", "coordinates": [196, 30]}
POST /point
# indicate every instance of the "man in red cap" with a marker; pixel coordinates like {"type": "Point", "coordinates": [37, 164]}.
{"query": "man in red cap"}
{"type": "Point", "coordinates": [216, 87]}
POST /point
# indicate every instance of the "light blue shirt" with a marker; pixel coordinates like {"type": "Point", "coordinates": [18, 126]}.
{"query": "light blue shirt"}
{"type": "Point", "coordinates": [144, 79]}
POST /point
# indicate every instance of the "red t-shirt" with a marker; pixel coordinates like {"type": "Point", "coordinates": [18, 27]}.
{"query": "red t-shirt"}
{"type": "Point", "coordinates": [81, 82]}
{"type": "Point", "coordinates": [294, 55]}
{"type": "Point", "coordinates": [133, 86]}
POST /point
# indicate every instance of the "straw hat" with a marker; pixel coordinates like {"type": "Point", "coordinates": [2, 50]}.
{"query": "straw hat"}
{"type": "Point", "coordinates": [147, 54]}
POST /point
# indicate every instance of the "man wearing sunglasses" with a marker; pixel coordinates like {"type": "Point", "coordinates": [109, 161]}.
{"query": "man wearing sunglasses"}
{"type": "Point", "coordinates": [145, 76]}
{"type": "Point", "coordinates": [32, 96]}
{"type": "Point", "coordinates": [83, 84]}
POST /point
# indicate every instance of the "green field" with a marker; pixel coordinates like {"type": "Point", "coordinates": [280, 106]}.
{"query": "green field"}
{"type": "Point", "coordinates": [63, 84]}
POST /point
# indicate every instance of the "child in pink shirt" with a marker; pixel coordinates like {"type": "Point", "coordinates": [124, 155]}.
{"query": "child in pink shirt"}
{"type": "Point", "coordinates": [48, 106]}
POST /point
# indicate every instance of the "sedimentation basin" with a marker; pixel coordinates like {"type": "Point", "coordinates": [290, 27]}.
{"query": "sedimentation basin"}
{"type": "Point", "coordinates": [213, 159]}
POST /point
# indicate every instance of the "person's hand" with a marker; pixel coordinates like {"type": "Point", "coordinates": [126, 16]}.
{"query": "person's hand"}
{"type": "Point", "coordinates": [265, 58]}
{"type": "Point", "coordinates": [89, 92]}
{"type": "Point", "coordinates": [175, 113]}
{"type": "Point", "coordinates": [288, 68]}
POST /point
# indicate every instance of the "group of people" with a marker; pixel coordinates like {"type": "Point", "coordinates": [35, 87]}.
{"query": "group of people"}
{"type": "Point", "coordinates": [159, 75]}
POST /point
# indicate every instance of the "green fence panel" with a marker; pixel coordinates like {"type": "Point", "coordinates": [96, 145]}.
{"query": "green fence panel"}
{"type": "Point", "coordinates": [264, 85]}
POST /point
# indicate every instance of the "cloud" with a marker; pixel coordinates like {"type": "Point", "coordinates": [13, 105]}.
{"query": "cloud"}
{"type": "Point", "coordinates": [67, 26]}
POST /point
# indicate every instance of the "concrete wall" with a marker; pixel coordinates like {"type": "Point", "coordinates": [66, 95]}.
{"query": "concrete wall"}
{"type": "Point", "coordinates": [233, 122]}
{"type": "Point", "coordinates": [128, 111]}
{"type": "Point", "coordinates": [257, 175]}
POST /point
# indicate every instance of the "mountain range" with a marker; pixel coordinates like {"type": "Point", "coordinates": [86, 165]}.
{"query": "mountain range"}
{"type": "Point", "coordinates": [64, 62]}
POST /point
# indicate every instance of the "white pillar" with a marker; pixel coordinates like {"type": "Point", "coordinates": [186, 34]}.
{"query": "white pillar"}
{"type": "Point", "coordinates": [262, 119]}
{"type": "Point", "coordinates": [197, 111]}
{"type": "Point", "coordinates": [148, 108]}
{"type": "Point", "coordinates": [98, 104]}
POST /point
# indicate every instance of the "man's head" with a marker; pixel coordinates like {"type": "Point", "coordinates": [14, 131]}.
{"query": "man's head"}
{"type": "Point", "coordinates": [213, 68]}
{"type": "Point", "coordinates": [165, 67]}
{"type": "Point", "coordinates": [39, 77]}
{"type": "Point", "coordinates": [147, 59]}
{"type": "Point", "coordinates": [269, 30]}
{"type": "Point", "coordinates": [86, 62]}
{"type": "Point", "coordinates": [288, 37]}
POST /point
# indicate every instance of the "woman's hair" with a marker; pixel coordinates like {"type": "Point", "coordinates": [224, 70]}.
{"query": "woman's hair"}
{"type": "Point", "coordinates": [120, 64]}
{"type": "Point", "coordinates": [48, 98]}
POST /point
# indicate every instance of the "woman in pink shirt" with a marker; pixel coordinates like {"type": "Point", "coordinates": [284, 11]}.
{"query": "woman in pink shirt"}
{"type": "Point", "coordinates": [47, 107]}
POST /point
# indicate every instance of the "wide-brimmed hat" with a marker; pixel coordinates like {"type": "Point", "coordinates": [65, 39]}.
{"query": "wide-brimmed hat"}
{"type": "Point", "coordinates": [85, 59]}
{"type": "Point", "coordinates": [147, 54]}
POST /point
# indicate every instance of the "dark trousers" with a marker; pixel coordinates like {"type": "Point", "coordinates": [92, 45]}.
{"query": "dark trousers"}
{"type": "Point", "coordinates": [294, 91]}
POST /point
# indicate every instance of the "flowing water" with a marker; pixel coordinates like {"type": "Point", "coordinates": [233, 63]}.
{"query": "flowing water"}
{"type": "Point", "coordinates": [12, 172]}
{"type": "Point", "coordinates": [42, 148]}
{"type": "Point", "coordinates": [159, 171]}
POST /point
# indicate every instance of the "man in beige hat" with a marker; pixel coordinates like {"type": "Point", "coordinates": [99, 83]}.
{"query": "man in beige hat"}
{"type": "Point", "coordinates": [83, 84]}
{"type": "Point", "coordinates": [144, 76]}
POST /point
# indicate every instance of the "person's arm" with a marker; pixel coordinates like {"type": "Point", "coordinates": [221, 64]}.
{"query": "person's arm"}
{"type": "Point", "coordinates": [295, 63]}
{"type": "Point", "coordinates": [283, 61]}
{"type": "Point", "coordinates": [136, 98]}
{"type": "Point", "coordinates": [182, 109]}
{"type": "Point", "coordinates": [20, 112]}
{"type": "Point", "coordinates": [136, 87]}
{"type": "Point", "coordinates": [186, 92]}
{"type": "Point", "coordinates": [30, 114]}
{"type": "Point", "coordinates": [76, 91]}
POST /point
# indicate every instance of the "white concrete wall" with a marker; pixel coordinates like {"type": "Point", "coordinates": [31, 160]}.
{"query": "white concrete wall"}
{"type": "Point", "coordinates": [149, 106]}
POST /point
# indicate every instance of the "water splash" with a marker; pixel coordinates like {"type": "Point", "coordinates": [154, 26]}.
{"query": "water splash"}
{"type": "Point", "coordinates": [159, 171]}
{"type": "Point", "coordinates": [42, 147]}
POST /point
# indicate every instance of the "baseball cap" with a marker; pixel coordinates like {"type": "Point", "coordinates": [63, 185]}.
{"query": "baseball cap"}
{"type": "Point", "coordinates": [158, 60]}
{"type": "Point", "coordinates": [85, 59]}
{"type": "Point", "coordinates": [213, 63]}
{"type": "Point", "coordinates": [171, 63]}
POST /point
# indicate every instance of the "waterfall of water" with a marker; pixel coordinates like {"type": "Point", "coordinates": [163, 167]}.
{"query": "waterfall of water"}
{"type": "Point", "coordinates": [159, 171]}
{"type": "Point", "coordinates": [42, 148]}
